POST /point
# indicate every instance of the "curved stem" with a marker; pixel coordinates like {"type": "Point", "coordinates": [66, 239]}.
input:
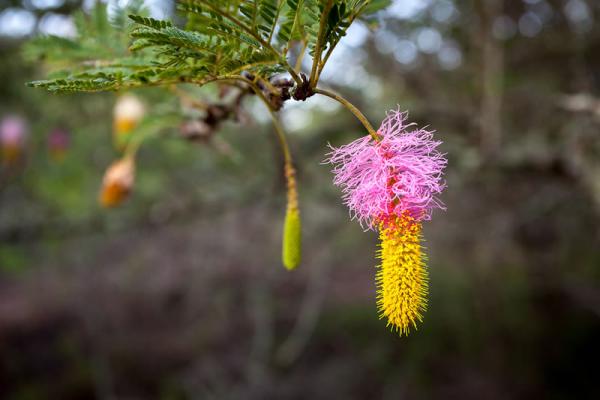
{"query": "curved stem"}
{"type": "Point", "coordinates": [293, 73]}
{"type": "Point", "coordinates": [132, 148]}
{"type": "Point", "coordinates": [352, 109]}
{"type": "Point", "coordinates": [141, 133]}
{"type": "Point", "coordinates": [287, 156]}
{"type": "Point", "coordinates": [281, 137]}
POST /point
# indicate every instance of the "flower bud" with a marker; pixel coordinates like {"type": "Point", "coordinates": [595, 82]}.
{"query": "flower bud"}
{"type": "Point", "coordinates": [292, 239]}
{"type": "Point", "coordinates": [128, 113]}
{"type": "Point", "coordinates": [292, 227]}
{"type": "Point", "coordinates": [58, 143]}
{"type": "Point", "coordinates": [12, 138]}
{"type": "Point", "coordinates": [117, 182]}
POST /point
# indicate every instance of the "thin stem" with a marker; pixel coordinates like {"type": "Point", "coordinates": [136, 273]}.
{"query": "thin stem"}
{"type": "Point", "coordinates": [293, 73]}
{"type": "Point", "coordinates": [281, 137]}
{"type": "Point", "coordinates": [133, 146]}
{"type": "Point", "coordinates": [267, 84]}
{"type": "Point", "coordinates": [248, 66]}
{"type": "Point", "coordinates": [334, 44]}
{"type": "Point", "coordinates": [143, 132]}
{"type": "Point", "coordinates": [352, 109]}
{"type": "Point", "coordinates": [319, 45]}
{"type": "Point", "coordinates": [298, 65]}
{"type": "Point", "coordinates": [287, 156]}
{"type": "Point", "coordinates": [272, 31]}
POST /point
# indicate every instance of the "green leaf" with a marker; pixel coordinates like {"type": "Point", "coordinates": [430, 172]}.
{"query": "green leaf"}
{"type": "Point", "coordinates": [221, 37]}
{"type": "Point", "coordinates": [376, 5]}
{"type": "Point", "coordinates": [150, 22]}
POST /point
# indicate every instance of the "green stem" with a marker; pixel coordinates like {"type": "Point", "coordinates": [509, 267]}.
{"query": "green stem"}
{"type": "Point", "coordinates": [272, 30]}
{"type": "Point", "coordinates": [319, 45]}
{"type": "Point", "coordinates": [281, 137]}
{"type": "Point", "coordinates": [334, 44]}
{"type": "Point", "coordinates": [352, 109]}
{"type": "Point", "coordinates": [132, 148]}
{"type": "Point", "coordinates": [298, 66]}
{"type": "Point", "coordinates": [285, 148]}
{"type": "Point", "coordinates": [142, 132]}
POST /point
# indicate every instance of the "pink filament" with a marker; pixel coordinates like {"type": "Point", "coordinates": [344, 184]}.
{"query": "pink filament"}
{"type": "Point", "coordinates": [402, 172]}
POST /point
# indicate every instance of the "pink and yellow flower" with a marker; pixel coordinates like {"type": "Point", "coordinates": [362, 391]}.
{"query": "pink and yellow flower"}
{"type": "Point", "coordinates": [392, 184]}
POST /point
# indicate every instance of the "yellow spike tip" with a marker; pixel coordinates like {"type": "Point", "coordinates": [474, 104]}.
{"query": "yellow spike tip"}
{"type": "Point", "coordinates": [402, 279]}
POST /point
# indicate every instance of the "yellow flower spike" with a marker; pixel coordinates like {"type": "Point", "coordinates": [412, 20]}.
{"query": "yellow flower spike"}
{"type": "Point", "coordinates": [402, 280]}
{"type": "Point", "coordinates": [292, 228]}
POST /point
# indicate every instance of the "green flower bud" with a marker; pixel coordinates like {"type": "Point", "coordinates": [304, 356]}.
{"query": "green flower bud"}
{"type": "Point", "coordinates": [292, 239]}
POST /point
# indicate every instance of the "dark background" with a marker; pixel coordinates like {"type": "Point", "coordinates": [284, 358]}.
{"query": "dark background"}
{"type": "Point", "coordinates": [180, 293]}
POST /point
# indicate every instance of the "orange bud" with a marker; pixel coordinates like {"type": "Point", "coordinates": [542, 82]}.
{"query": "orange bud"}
{"type": "Point", "coordinates": [123, 126]}
{"type": "Point", "coordinates": [127, 114]}
{"type": "Point", "coordinates": [117, 182]}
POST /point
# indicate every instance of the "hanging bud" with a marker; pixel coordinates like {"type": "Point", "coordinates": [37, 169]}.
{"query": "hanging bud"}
{"type": "Point", "coordinates": [292, 239]}
{"type": "Point", "coordinates": [117, 182]}
{"type": "Point", "coordinates": [58, 143]}
{"type": "Point", "coordinates": [128, 113]}
{"type": "Point", "coordinates": [292, 228]}
{"type": "Point", "coordinates": [12, 139]}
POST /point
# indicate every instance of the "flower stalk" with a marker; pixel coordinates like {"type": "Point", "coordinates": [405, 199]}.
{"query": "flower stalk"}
{"type": "Point", "coordinates": [352, 109]}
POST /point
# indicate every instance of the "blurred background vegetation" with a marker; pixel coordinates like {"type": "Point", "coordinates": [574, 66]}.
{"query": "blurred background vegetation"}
{"type": "Point", "coordinates": [180, 293]}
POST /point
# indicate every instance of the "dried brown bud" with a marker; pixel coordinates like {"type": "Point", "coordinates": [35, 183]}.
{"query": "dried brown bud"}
{"type": "Point", "coordinates": [196, 130]}
{"type": "Point", "coordinates": [303, 91]}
